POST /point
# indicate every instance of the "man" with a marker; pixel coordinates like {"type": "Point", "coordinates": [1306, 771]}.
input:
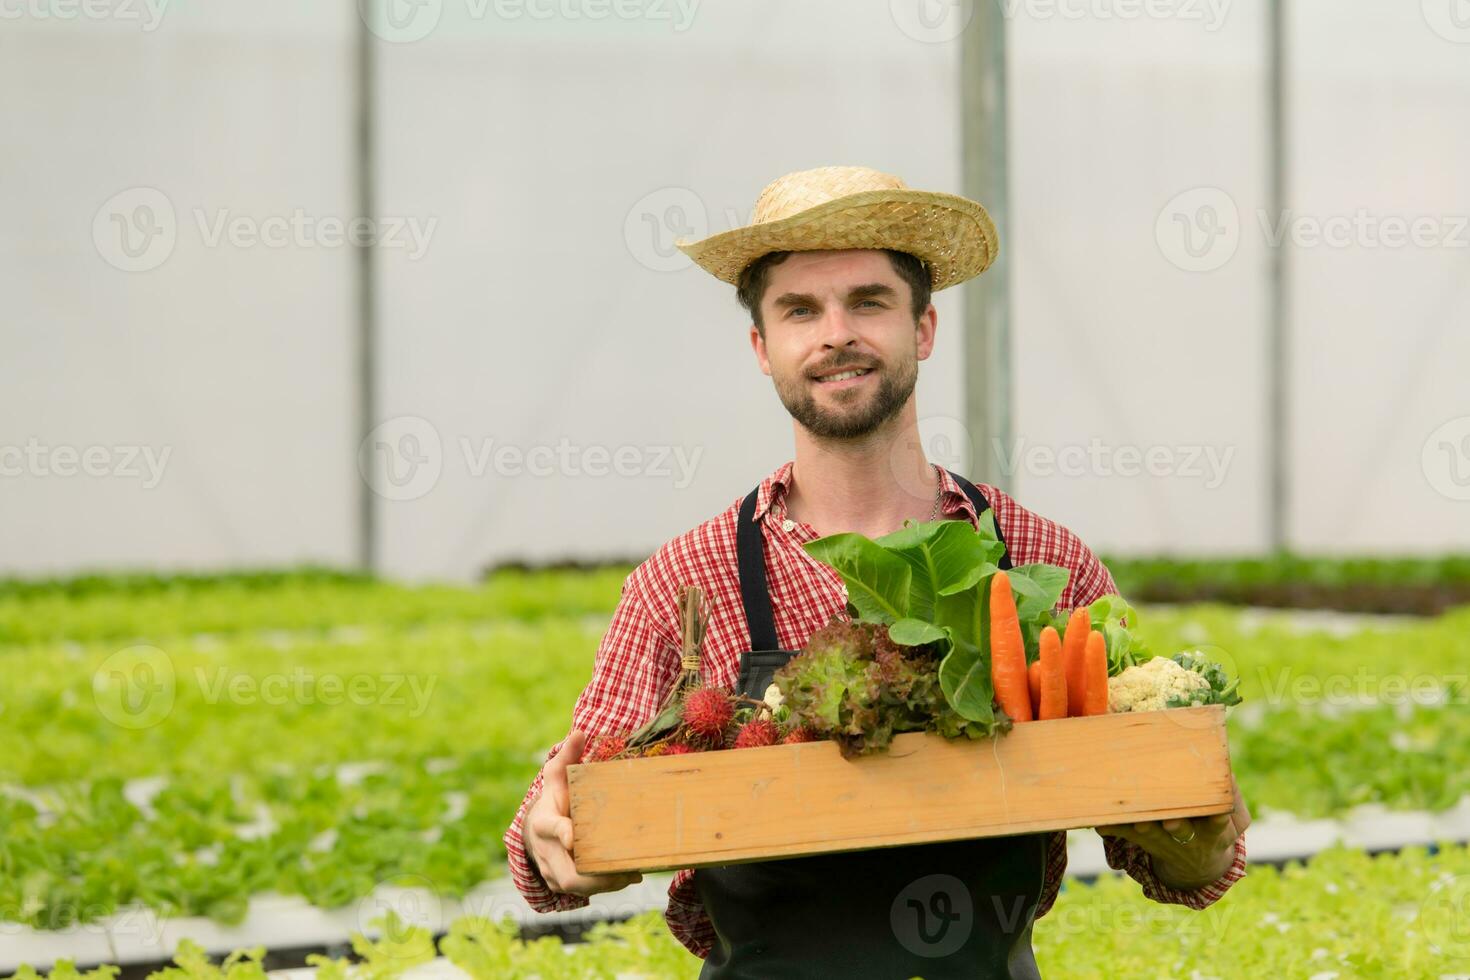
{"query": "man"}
{"type": "Point", "coordinates": [836, 270]}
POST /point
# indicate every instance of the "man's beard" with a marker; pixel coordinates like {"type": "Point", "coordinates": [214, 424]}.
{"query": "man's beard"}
{"type": "Point", "coordinates": [860, 419]}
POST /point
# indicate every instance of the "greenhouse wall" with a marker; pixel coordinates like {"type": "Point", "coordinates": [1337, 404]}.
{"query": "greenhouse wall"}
{"type": "Point", "coordinates": [555, 381]}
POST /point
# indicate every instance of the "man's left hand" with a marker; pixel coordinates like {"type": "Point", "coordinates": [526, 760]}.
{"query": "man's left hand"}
{"type": "Point", "coordinates": [1189, 853]}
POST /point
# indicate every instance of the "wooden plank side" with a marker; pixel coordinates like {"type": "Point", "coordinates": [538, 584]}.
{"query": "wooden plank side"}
{"type": "Point", "coordinates": [726, 807]}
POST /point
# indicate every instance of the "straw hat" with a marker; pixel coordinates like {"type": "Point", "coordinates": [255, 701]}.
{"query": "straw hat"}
{"type": "Point", "coordinates": [855, 207]}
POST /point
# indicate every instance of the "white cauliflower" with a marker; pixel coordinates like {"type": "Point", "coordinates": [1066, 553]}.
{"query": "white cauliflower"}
{"type": "Point", "coordinates": [773, 697]}
{"type": "Point", "coordinates": [1150, 685]}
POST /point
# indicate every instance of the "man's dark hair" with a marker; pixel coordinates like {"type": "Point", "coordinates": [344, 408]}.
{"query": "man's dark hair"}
{"type": "Point", "coordinates": [753, 280]}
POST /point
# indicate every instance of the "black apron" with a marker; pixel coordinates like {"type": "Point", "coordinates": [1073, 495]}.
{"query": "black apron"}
{"type": "Point", "coordinates": [951, 909]}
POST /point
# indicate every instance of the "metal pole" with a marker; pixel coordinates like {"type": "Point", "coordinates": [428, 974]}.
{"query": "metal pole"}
{"type": "Point", "coordinates": [987, 297]}
{"type": "Point", "coordinates": [367, 310]}
{"type": "Point", "coordinates": [1278, 367]}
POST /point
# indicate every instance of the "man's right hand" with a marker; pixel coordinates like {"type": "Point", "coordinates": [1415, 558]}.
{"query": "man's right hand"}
{"type": "Point", "coordinates": [547, 830]}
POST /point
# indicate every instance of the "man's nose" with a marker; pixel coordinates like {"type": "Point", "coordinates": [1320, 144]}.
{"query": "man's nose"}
{"type": "Point", "coordinates": [837, 328]}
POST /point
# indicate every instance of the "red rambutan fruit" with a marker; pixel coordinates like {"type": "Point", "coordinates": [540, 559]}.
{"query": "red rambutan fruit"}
{"type": "Point", "coordinates": [605, 747]}
{"type": "Point", "coordinates": [707, 712]}
{"type": "Point", "coordinates": [800, 733]}
{"type": "Point", "coordinates": [761, 731]}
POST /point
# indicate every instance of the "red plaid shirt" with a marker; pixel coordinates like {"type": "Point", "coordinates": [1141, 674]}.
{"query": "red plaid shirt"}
{"type": "Point", "coordinates": [638, 661]}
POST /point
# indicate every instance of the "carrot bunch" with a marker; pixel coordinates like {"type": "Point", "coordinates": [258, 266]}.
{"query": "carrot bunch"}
{"type": "Point", "coordinates": [1069, 678]}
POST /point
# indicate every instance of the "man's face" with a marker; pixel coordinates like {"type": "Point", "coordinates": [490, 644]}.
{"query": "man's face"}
{"type": "Point", "coordinates": [828, 315]}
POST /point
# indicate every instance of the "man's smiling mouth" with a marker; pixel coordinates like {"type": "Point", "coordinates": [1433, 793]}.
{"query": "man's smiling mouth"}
{"type": "Point", "coordinates": [844, 375]}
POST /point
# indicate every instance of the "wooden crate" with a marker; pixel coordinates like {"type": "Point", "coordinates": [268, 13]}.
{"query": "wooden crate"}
{"type": "Point", "coordinates": [712, 808]}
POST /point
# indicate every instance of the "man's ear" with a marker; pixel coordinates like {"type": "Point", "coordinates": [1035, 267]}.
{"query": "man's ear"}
{"type": "Point", "coordinates": [924, 330]}
{"type": "Point", "coordinates": [758, 344]}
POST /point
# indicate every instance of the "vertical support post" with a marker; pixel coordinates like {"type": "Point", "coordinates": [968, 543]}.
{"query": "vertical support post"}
{"type": "Point", "coordinates": [987, 297]}
{"type": "Point", "coordinates": [1278, 346]}
{"type": "Point", "coordinates": [364, 163]}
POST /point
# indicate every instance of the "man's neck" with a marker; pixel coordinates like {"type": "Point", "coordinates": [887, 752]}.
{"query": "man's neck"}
{"type": "Point", "coordinates": [869, 486]}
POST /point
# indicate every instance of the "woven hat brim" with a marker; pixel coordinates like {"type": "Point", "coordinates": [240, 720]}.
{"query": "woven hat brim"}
{"type": "Point", "coordinates": [953, 235]}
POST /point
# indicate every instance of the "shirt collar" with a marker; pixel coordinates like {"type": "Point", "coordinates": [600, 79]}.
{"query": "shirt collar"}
{"type": "Point", "coordinates": [772, 495]}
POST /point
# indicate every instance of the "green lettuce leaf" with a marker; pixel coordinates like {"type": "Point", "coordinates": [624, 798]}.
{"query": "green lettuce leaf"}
{"type": "Point", "coordinates": [964, 673]}
{"type": "Point", "coordinates": [878, 581]}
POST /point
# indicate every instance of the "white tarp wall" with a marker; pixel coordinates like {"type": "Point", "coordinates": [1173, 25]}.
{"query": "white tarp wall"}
{"type": "Point", "coordinates": [553, 309]}
{"type": "Point", "coordinates": [1381, 354]}
{"type": "Point", "coordinates": [539, 335]}
{"type": "Point", "coordinates": [196, 411]}
{"type": "Point", "coordinates": [1128, 135]}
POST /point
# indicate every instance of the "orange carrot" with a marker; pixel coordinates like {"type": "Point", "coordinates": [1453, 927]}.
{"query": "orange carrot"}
{"type": "Point", "coordinates": [1033, 679]}
{"type": "Point", "coordinates": [1053, 695]}
{"type": "Point", "coordinates": [1008, 652]}
{"type": "Point", "coordinates": [1074, 649]}
{"type": "Point", "coordinates": [1097, 674]}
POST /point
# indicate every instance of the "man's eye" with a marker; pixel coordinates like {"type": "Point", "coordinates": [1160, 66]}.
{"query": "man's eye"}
{"type": "Point", "coordinates": [796, 310]}
{"type": "Point", "coordinates": [873, 301]}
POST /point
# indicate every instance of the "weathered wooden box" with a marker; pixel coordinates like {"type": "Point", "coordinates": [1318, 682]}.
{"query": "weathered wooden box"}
{"type": "Point", "coordinates": [712, 808]}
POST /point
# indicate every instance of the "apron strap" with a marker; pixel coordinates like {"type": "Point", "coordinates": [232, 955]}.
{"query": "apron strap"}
{"type": "Point", "coordinates": [981, 506]}
{"type": "Point", "coordinates": [750, 552]}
